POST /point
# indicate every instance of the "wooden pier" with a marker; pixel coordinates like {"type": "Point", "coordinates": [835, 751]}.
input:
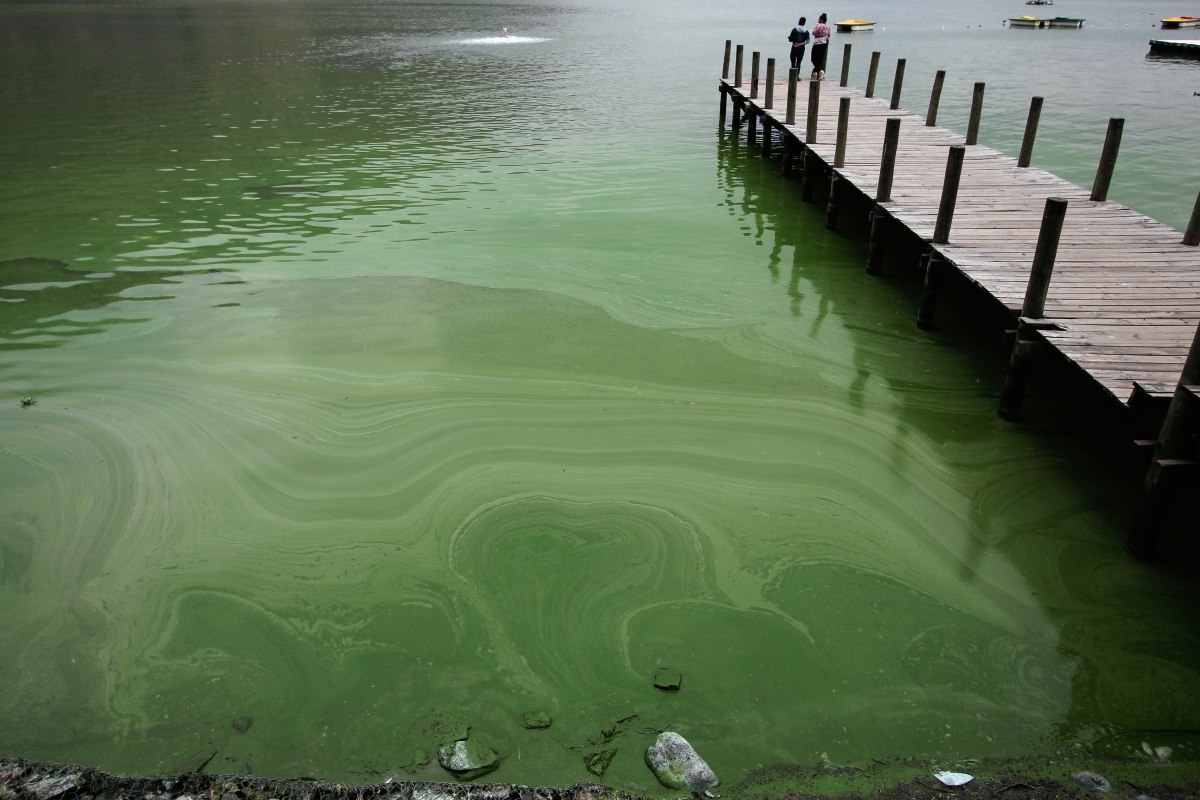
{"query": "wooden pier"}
{"type": "Point", "coordinates": [1119, 295]}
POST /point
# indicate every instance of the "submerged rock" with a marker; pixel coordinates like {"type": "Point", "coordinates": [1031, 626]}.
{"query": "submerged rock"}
{"type": "Point", "coordinates": [1090, 780]}
{"type": "Point", "coordinates": [677, 765]}
{"type": "Point", "coordinates": [468, 760]}
{"type": "Point", "coordinates": [667, 679]}
{"type": "Point", "coordinates": [597, 761]}
{"type": "Point", "coordinates": [442, 728]}
{"type": "Point", "coordinates": [242, 724]}
{"type": "Point", "coordinates": [534, 720]}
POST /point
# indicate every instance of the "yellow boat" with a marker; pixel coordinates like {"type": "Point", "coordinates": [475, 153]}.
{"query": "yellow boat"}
{"type": "Point", "coordinates": [1181, 22]}
{"type": "Point", "coordinates": [847, 25]}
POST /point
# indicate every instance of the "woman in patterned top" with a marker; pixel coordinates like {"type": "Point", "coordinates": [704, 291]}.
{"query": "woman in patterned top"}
{"type": "Point", "coordinates": [820, 40]}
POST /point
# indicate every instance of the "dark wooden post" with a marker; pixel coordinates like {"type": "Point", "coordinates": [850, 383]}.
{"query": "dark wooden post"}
{"type": "Point", "coordinates": [839, 150]}
{"type": "Point", "coordinates": [769, 91]}
{"type": "Point", "coordinates": [887, 165]}
{"type": "Point", "coordinates": [793, 76]}
{"type": "Point", "coordinates": [724, 98]}
{"type": "Point", "coordinates": [883, 194]}
{"type": "Point", "coordinates": [1172, 453]}
{"type": "Point", "coordinates": [934, 267]}
{"type": "Point", "coordinates": [1031, 125]}
{"type": "Point", "coordinates": [897, 84]}
{"type": "Point", "coordinates": [872, 73]}
{"type": "Point", "coordinates": [766, 136]}
{"type": "Point", "coordinates": [737, 66]}
{"type": "Point", "coordinates": [725, 66]}
{"type": "Point", "coordinates": [1032, 309]}
{"type": "Point", "coordinates": [737, 114]}
{"type": "Point", "coordinates": [845, 66]}
{"type": "Point", "coordinates": [789, 146]}
{"type": "Point", "coordinates": [814, 104]}
{"type": "Point", "coordinates": [751, 124]}
{"type": "Point", "coordinates": [1108, 159]}
{"type": "Point", "coordinates": [831, 208]}
{"type": "Point", "coordinates": [954, 165]}
{"type": "Point", "coordinates": [754, 57]}
{"type": "Point", "coordinates": [1191, 237]}
{"type": "Point", "coordinates": [976, 114]}
{"type": "Point", "coordinates": [935, 98]}
{"type": "Point", "coordinates": [808, 163]}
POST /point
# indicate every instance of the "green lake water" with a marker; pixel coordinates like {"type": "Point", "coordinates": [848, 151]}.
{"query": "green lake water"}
{"type": "Point", "coordinates": [381, 371]}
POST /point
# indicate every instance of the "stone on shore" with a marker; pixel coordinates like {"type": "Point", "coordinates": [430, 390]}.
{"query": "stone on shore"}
{"type": "Point", "coordinates": [468, 760]}
{"type": "Point", "coordinates": [1090, 780]}
{"type": "Point", "coordinates": [677, 765]}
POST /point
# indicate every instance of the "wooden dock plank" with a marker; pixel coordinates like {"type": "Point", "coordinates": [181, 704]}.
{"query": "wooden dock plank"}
{"type": "Point", "coordinates": [1125, 292]}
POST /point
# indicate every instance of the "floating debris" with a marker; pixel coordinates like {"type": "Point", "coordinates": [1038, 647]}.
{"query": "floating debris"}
{"type": "Point", "coordinates": [677, 765]}
{"type": "Point", "coordinates": [667, 679]}
{"type": "Point", "coordinates": [28, 401]}
{"type": "Point", "coordinates": [597, 762]}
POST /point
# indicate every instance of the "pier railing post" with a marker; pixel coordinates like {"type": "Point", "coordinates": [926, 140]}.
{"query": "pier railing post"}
{"type": "Point", "coordinates": [934, 268]}
{"type": "Point", "coordinates": [872, 73]}
{"type": "Point", "coordinates": [976, 114]}
{"type": "Point", "coordinates": [887, 164]}
{"type": "Point", "coordinates": [725, 66]}
{"type": "Point", "coordinates": [737, 66]}
{"type": "Point", "coordinates": [754, 57]}
{"type": "Point", "coordinates": [814, 104]}
{"type": "Point", "coordinates": [1191, 237]}
{"type": "Point", "coordinates": [769, 89]}
{"type": "Point", "coordinates": [843, 131]}
{"type": "Point", "coordinates": [883, 194]}
{"type": "Point", "coordinates": [1108, 159]}
{"type": "Point", "coordinates": [793, 77]}
{"type": "Point", "coordinates": [935, 98]}
{"type": "Point", "coordinates": [1032, 309]}
{"type": "Point", "coordinates": [1031, 126]}
{"type": "Point", "coordinates": [1172, 453]}
{"type": "Point", "coordinates": [897, 84]}
{"type": "Point", "coordinates": [954, 165]}
{"type": "Point", "coordinates": [845, 66]}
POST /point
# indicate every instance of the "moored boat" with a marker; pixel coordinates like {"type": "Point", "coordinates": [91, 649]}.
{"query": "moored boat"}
{"type": "Point", "coordinates": [847, 25]}
{"type": "Point", "coordinates": [1041, 22]}
{"type": "Point", "coordinates": [1066, 22]}
{"type": "Point", "coordinates": [1181, 22]}
{"type": "Point", "coordinates": [1026, 22]}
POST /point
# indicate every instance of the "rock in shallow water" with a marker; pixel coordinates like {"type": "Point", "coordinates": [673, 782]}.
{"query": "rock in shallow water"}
{"type": "Point", "coordinates": [667, 679]}
{"type": "Point", "coordinates": [1090, 780]}
{"type": "Point", "coordinates": [677, 765]}
{"type": "Point", "coordinates": [533, 720]}
{"type": "Point", "coordinates": [467, 759]}
{"type": "Point", "coordinates": [597, 762]}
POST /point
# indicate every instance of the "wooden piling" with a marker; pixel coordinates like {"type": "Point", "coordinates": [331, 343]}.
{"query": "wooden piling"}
{"type": "Point", "coordinates": [872, 73]}
{"type": "Point", "coordinates": [737, 67]}
{"type": "Point", "coordinates": [751, 124]}
{"type": "Point", "coordinates": [897, 84]}
{"type": "Point", "coordinates": [845, 66]}
{"type": "Point", "coordinates": [1032, 309]}
{"type": "Point", "coordinates": [1108, 158]}
{"type": "Point", "coordinates": [891, 143]}
{"type": "Point", "coordinates": [725, 66]}
{"type": "Point", "coordinates": [766, 137]}
{"type": "Point", "coordinates": [814, 102]}
{"type": "Point", "coordinates": [831, 208]}
{"type": "Point", "coordinates": [843, 131]}
{"type": "Point", "coordinates": [754, 57]}
{"type": "Point", "coordinates": [934, 269]}
{"type": "Point", "coordinates": [976, 114]}
{"type": "Point", "coordinates": [1191, 237]}
{"type": "Point", "coordinates": [935, 98]}
{"type": "Point", "coordinates": [1031, 126]}
{"type": "Point", "coordinates": [1174, 452]}
{"type": "Point", "coordinates": [808, 163]}
{"type": "Point", "coordinates": [737, 114]}
{"type": "Point", "coordinates": [769, 91]}
{"type": "Point", "coordinates": [954, 165]}
{"type": "Point", "coordinates": [793, 76]}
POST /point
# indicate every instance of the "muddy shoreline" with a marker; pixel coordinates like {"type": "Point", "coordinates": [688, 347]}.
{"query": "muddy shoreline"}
{"type": "Point", "coordinates": [1017, 779]}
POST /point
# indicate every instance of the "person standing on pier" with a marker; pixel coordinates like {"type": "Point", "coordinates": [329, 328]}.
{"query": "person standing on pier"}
{"type": "Point", "coordinates": [798, 37]}
{"type": "Point", "coordinates": [820, 40]}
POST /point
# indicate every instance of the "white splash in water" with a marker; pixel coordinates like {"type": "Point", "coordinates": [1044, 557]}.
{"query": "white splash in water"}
{"type": "Point", "coordinates": [505, 38]}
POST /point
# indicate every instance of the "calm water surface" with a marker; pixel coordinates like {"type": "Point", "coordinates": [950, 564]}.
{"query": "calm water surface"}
{"type": "Point", "coordinates": [381, 371]}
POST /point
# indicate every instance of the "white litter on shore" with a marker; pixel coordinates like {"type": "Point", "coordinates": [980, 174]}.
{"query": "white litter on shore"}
{"type": "Point", "coordinates": [954, 778]}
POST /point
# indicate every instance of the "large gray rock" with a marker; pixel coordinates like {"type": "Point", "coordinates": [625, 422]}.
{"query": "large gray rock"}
{"type": "Point", "coordinates": [1090, 780]}
{"type": "Point", "coordinates": [467, 759]}
{"type": "Point", "coordinates": [677, 765]}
